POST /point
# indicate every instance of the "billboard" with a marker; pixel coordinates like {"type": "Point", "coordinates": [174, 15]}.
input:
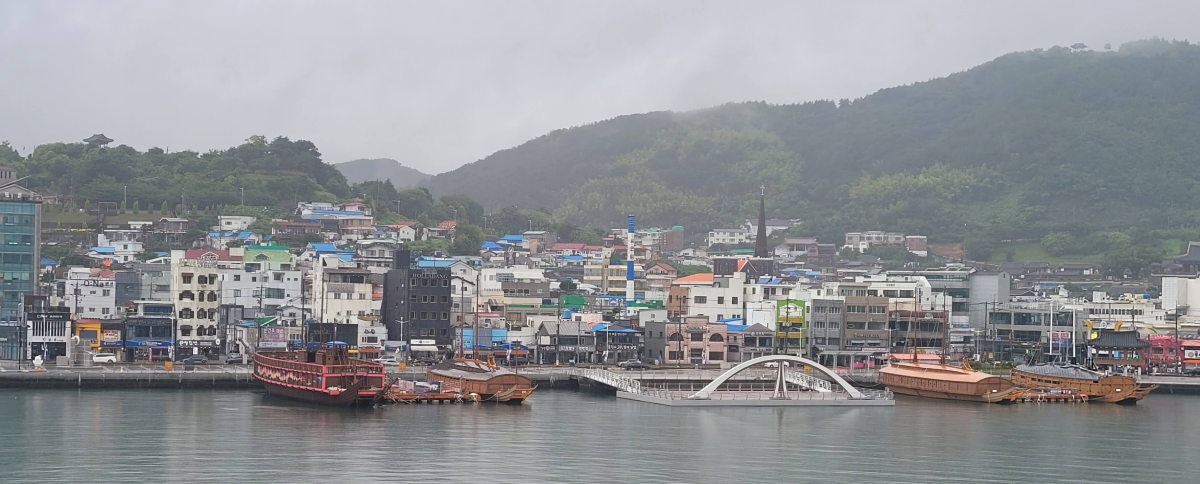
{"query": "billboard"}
{"type": "Point", "coordinates": [273, 337]}
{"type": "Point", "coordinates": [789, 311]}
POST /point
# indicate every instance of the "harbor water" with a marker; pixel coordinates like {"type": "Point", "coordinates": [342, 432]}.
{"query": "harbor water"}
{"type": "Point", "coordinates": [565, 436]}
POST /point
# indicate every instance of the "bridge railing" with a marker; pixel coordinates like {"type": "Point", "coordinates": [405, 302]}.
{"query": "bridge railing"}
{"type": "Point", "coordinates": [620, 382]}
{"type": "Point", "coordinates": [805, 380]}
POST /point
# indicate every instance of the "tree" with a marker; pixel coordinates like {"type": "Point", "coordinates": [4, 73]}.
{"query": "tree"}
{"type": "Point", "coordinates": [980, 248]}
{"type": "Point", "coordinates": [1058, 243]}
{"type": "Point", "coordinates": [467, 240]}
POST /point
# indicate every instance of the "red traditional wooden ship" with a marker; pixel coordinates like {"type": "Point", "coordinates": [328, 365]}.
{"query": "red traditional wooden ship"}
{"type": "Point", "coordinates": [326, 375]}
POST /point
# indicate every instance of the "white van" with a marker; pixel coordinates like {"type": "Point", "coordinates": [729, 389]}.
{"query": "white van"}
{"type": "Point", "coordinates": [104, 358]}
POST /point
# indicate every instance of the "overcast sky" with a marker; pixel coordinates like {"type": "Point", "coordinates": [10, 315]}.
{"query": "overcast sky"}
{"type": "Point", "coordinates": [439, 84]}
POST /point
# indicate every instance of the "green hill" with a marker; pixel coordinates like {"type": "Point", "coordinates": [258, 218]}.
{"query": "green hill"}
{"type": "Point", "coordinates": [358, 171]}
{"type": "Point", "coordinates": [273, 173]}
{"type": "Point", "coordinates": [1028, 144]}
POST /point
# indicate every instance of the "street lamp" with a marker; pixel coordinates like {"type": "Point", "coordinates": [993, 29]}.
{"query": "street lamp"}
{"type": "Point", "coordinates": [243, 193]}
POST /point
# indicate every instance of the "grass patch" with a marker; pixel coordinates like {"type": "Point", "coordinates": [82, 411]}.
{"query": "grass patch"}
{"type": "Point", "coordinates": [71, 217]}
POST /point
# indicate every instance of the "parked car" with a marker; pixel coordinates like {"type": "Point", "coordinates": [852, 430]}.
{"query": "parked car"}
{"type": "Point", "coordinates": [633, 365]}
{"type": "Point", "coordinates": [1192, 372]}
{"type": "Point", "coordinates": [104, 358]}
{"type": "Point", "coordinates": [233, 358]}
{"type": "Point", "coordinates": [194, 360]}
{"type": "Point", "coordinates": [387, 360]}
{"type": "Point", "coordinates": [427, 361]}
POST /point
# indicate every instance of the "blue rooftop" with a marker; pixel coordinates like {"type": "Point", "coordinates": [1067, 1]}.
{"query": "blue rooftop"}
{"type": "Point", "coordinates": [513, 238]}
{"type": "Point", "coordinates": [345, 256]}
{"type": "Point", "coordinates": [571, 257]}
{"type": "Point", "coordinates": [736, 327]}
{"type": "Point", "coordinates": [321, 247]}
{"type": "Point", "coordinates": [428, 263]}
{"type": "Point", "coordinates": [337, 212]}
{"type": "Point", "coordinates": [104, 250]}
{"type": "Point", "coordinates": [490, 245]}
{"type": "Point", "coordinates": [46, 261]}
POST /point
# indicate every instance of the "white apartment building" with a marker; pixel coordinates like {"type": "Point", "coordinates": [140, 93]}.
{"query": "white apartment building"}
{"type": "Point", "coordinates": [121, 245]}
{"type": "Point", "coordinates": [234, 223]}
{"type": "Point", "coordinates": [729, 237]}
{"type": "Point", "coordinates": [196, 286]}
{"type": "Point", "coordinates": [376, 255]}
{"type": "Point", "coordinates": [91, 293]}
{"type": "Point", "coordinates": [341, 292]}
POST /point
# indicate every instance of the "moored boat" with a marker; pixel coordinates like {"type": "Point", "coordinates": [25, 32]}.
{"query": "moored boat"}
{"type": "Point", "coordinates": [1098, 387]}
{"type": "Point", "coordinates": [325, 375]}
{"type": "Point", "coordinates": [490, 382]}
{"type": "Point", "coordinates": [940, 380]}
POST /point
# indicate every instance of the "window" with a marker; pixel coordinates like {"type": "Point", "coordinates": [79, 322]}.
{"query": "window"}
{"type": "Point", "coordinates": [106, 293]}
{"type": "Point", "coordinates": [424, 298]}
{"type": "Point", "coordinates": [720, 300]}
{"type": "Point", "coordinates": [185, 330]}
{"type": "Point", "coordinates": [445, 299]}
{"type": "Point", "coordinates": [237, 277]}
{"type": "Point", "coordinates": [699, 337]}
{"type": "Point", "coordinates": [275, 293]}
{"type": "Point", "coordinates": [445, 283]}
{"type": "Point", "coordinates": [424, 315]}
{"type": "Point", "coordinates": [675, 355]}
{"type": "Point", "coordinates": [734, 299]}
{"type": "Point", "coordinates": [187, 278]}
{"type": "Point", "coordinates": [212, 296]}
{"type": "Point", "coordinates": [856, 309]}
{"type": "Point", "coordinates": [716, 338]}
{"type": "Point", "coordinates": [186, 313]}
{"type": "Point", "coordinates": [278, 276]}
{"type": "Point", "coordinates": [362, 295]}
{"type": "Point", "coordinates": [878, 309]}
{"type": "Point", "coordinates": [337, 295]}
{"type": "Point", "coordinates": [716, 356]}
{"type": "Point", "coordinates": [412, 315]}
{"type": "Point", "coordinates": [104, 310]}
{"type": "Point", "coordinates": [187, 295]}
{"type": "Point", "coordinates": [237, 293]}
{"type": "Point", "coordinates": [412, 298]}
{"type": "Point", "coordinates": [445, 316]}
{"type": "Point", "coordinates": [700, 299]}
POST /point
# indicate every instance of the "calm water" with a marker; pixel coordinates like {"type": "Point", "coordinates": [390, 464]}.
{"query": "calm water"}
{"type": "Point", "coordinates": [563, 436]}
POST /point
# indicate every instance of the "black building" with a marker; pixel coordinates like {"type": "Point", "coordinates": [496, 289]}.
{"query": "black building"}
{"type": "Point", "coordinates": [417, 301]}
{"type": "Point", "coordinates": [327, 332]}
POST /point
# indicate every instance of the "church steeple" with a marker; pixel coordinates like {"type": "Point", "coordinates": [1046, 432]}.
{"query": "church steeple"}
{"type": "Point", "coordinates": [760, 240]}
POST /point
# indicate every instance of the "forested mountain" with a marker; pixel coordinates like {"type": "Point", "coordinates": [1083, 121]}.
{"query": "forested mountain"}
{"type": "Point", "coordinates": [358, 171]}
{"type": "Point", "coordinates": [1029, 144]}
{"type": "Point", "coordinates": [273, 173]}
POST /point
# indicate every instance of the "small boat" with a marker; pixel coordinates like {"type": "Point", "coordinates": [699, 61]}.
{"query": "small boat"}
{"type": "Point", "coordinates": [940, 380]}
{"type": "Point", "coordinates": [326, 375]}
{"type": "Point", "coordinates": [491, 382]}
{"type": "Point", "coordinates": [1098, 387]}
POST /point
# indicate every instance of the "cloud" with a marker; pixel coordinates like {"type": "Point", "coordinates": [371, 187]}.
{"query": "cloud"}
{"type": "Point", "coordinates": [440, 84]}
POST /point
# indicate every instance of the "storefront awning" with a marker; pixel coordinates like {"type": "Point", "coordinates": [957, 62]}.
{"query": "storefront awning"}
{"type": "Point", "coordinates": [430, 349]}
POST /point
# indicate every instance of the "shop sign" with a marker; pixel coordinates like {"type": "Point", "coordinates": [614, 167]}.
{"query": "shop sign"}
{"type": "Point", "coordinates": [1191, 354]}
{"type": "Point", "coordinates": [196, 343]}
{"type": "Point", "coordinates": [110, 335]}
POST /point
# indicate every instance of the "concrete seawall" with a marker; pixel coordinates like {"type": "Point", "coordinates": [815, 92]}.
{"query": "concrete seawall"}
{"type": "Point", "coordinates": [129, 380]}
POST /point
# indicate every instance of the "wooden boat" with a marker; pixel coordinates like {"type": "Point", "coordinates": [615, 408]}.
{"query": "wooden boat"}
{"type": "Point", "coordinates": [1097, 386]}
{"type": "Point", "coordinates": [490, 382]}
{"type": "Point", "coordinates": [940, 380]}
{"type": "Point", "coordinates": [326, 376]}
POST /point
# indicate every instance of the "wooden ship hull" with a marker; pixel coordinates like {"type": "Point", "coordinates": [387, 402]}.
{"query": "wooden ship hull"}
{"type": "Point", "coordinates": [490, 382]}
{"type": "Point", "coordinates": [319, 378]}
{"type": "Point", "coordinates": [938, 380]}
{"type": "Point", "coordinates": [1098, 387]}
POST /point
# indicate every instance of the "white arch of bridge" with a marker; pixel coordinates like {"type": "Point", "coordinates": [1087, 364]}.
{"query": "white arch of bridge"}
{"type": "Point", "coordinates": [712, 386]}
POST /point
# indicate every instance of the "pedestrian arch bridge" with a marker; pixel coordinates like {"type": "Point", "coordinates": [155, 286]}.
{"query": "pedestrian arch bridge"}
{"type": "Point", "coordinates": [786, 375]}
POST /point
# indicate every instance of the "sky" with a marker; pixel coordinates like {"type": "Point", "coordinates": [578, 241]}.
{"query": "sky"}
{"type": "Point", "coordinates": [439, 84]}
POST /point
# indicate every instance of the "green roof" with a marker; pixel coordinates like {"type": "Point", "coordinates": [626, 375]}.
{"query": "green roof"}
{"type": "Point", "coordinates": [267, 253]}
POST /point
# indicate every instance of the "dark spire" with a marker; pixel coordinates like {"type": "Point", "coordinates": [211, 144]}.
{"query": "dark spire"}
{"type": "Point", "coordinates": [760, 240]}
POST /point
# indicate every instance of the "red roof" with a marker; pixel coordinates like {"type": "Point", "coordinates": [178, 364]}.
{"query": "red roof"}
{"type": "Point", "coordinates": [696, 278]}
{"type": "Point", "coordinates": [592, 247]}
{"type": "Point", "coordinates": [741, 264]}
{"type": "Point", "coordinates": [567, 246]}
{"type": "Point", "coordinates": [447, 225]}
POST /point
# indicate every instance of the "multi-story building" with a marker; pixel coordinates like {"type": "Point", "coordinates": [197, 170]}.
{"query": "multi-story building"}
{"type": "Point", "coordinates": [342, 293]}
{"type": "Point", "coordinates": [196, 284]}
{"type": "Point", "coordinates": [90, 293]}
{"type": "Point", "coordinates": [417, 301]}
{"type": "Point", "coordinates": [610, 278]}
{"type": "Point", "coordinates": [154, 280]}
{"type": "Point", "coordinates": [267, 280]}
{"type": "Point", "coordinates": [825, 320]}
{"type": "Point", "coordinates": [729, 237]}
{"type": "Point", "coordinates": [21, 211]}
{"type": "Point", "coordinates": [773, 225]}
{"type": "Point", "coordinates": [234, 223]}
{"type": "Point", "coordinates": [376, 254]}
